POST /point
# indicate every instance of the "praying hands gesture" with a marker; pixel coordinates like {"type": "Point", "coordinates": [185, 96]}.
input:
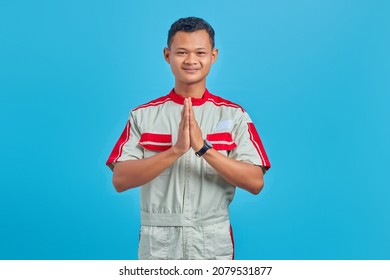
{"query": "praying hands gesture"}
{"type": "Point", "coordinates": [190, 135]}
{"type": "Point", "coordinates": [133, 173]}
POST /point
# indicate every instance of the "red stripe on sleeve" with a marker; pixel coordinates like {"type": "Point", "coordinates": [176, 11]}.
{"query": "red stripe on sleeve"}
{"type": "Point", "coordinates": [256, 141]}
{"type": "Point", "coordinates": [117, 151]}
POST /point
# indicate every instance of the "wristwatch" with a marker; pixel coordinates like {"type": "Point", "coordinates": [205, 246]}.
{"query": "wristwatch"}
{"type": "Point", "coordinates": [207, 146]}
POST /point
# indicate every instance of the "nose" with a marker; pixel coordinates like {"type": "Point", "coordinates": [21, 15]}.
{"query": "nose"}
{"type": "Point", "coordinates": [191, 58]}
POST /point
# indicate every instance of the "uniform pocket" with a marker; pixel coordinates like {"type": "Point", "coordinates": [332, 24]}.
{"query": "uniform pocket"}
{"type": "Point", "coordinates": [222, 142]}
{"type": "Point", "coordinates": [218, 241]}
{"type": "Point", "coordinates": [153, 243]}
{"type": "Point", "coordinates": [154, 143]}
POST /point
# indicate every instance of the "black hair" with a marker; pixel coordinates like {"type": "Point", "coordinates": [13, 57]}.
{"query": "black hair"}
{"type": "Point", "coordinates": [190, 24]}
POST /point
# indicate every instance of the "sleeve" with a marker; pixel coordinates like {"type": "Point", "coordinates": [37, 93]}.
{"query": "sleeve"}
{"type": "Point", "coordinates": [249, 145]}
{"type": "Point", "coordinates": [126, 148]}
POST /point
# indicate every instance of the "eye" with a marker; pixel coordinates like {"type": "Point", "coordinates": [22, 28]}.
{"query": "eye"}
{"type": "Point", "coordinates": [201, 53]}
{"type": "Point", "coordinates": [181, 53]}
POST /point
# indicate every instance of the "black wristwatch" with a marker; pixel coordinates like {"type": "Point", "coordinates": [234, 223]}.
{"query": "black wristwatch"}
{"type": "Point", "coordinates": [207, 146]}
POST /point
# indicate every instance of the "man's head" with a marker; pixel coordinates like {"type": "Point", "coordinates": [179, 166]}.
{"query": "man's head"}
{"type": "Point", "coordinates": [190, 51]}
{"type": "Point", "coordinates": [190, 24]}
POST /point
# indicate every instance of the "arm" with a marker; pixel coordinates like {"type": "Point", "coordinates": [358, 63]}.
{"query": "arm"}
{"type": "Point", "coordinates": [133, 173]}
{"type": "Point", "coordinates": [241, 174]}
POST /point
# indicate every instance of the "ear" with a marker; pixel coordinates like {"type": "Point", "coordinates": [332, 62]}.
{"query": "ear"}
{"type": "Point", "coordinates": [167, 55]}
{"type": "Point", "coordinates": [214, 55]}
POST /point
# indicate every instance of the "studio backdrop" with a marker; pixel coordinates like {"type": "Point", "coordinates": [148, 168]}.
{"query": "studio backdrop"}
{"type": "Point", "coordinates": [313, 76]}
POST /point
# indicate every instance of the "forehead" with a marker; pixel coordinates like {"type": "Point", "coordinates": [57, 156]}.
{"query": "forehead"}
{"type": "Point", "coordinates": [196, 39]}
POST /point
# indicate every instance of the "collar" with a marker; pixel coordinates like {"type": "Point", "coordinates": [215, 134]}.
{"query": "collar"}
{"type": "Point", "coordinates": [177, 98]}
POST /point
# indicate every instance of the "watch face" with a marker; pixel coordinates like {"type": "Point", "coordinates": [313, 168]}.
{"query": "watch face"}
{"type": "Point", "coordinates": [208, 143]}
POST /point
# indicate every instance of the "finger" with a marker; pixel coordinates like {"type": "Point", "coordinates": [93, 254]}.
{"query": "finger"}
{"type": "Point", "coordinates": [181, 123]}
{"type": "Point", "coordinates": [184, 114]}
{"type": "Point", "coordinates": [190, 109]}
{"type": "Point", "coordinates": [192, 115]}
{"type": "Point", "coordinates": [188, 104]}
{"type": "Point", "coordinates": [186, 118]}
{"type": "Point", "coordinates": [183, 110]}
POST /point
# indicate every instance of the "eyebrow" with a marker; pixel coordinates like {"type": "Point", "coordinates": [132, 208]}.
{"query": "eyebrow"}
{"type": "Point", "coordinates": [197, 49]}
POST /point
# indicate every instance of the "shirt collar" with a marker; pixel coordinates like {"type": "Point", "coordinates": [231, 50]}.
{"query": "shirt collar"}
{"type": "Point", "coordinates": [177, 98]}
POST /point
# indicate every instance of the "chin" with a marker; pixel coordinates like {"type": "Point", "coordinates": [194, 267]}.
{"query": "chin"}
{"type": "Point", "coordinates": [192, 80]}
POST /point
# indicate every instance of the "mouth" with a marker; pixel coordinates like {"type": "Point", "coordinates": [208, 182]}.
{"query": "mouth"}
{"type": "Point", "coordinates": [190, 70]}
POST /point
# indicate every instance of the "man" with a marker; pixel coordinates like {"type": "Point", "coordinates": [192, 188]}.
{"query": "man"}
{"type": "Point", "coordinates": [188, 150]}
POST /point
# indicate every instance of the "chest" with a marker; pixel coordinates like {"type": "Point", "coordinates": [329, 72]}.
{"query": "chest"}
{"type": "Point", "coordinates": [166, 119]}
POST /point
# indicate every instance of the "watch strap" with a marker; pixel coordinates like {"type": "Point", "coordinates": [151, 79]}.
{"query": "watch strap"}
{"type": "Point", "coordinates": [207, 146]}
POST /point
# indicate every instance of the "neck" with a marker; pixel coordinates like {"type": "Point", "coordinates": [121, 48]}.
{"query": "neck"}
{"type": "Point", "coordinates": [194, 90]}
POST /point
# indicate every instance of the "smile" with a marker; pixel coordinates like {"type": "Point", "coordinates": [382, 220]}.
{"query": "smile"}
{"type": "Point", "coordinates": [190, 70]}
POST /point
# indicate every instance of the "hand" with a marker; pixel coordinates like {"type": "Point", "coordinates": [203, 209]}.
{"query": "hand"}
{"type": "Point", "coordinates": [196, 138]}
{"type": "Point", "coordinates": [183, 138]}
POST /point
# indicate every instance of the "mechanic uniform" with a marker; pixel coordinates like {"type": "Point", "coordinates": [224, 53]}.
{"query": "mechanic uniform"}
{"type": "Point", "coordinates": [185, 210]}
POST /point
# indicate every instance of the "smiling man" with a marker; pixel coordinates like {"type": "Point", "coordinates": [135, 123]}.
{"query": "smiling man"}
{"type": "Point", "coordinates": [188, 151]}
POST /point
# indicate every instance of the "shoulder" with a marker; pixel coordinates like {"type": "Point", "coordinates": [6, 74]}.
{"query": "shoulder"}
{"type": "Point", "coordinates": [154, 103]}
{"type": "Point", "coordinates": [222, 102]}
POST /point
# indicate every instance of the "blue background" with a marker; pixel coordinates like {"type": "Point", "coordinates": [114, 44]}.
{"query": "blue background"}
{"type": "Point", "coordinates": [313, 75]}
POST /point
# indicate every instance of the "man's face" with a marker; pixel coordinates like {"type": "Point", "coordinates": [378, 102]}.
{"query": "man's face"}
{"type": "Point", "coordinates": [190, 56]}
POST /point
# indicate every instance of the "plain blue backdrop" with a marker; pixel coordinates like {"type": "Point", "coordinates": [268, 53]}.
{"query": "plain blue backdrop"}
{"type": "Point", "coordinates": [313, 75]}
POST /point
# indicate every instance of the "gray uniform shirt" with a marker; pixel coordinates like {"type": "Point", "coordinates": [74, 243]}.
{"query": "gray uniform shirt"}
{"type": "Point", "coordinates": [185, 210]}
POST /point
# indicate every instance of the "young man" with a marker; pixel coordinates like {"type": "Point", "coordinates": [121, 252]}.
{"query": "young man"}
{"type": "Point", "coordinates": [188, 150]}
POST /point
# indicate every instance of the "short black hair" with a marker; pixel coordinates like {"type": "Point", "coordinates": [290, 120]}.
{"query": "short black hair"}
{"type": "Point", "coordinates": [190, 24]}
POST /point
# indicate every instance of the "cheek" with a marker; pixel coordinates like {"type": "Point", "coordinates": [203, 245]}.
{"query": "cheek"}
{"type": "Point", "coordinates": [207, 61]}
{"type": "Point", "coordinates": [206, 64]}
{"type": "Point", "coordinates": [175, 63]}
{"type": "Point", "coordinates": [175, 68]}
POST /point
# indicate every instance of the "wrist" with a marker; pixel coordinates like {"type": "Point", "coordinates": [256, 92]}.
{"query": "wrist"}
{"type": "Point", "coordinates": [198, 143]}
{"type": "Point", "coordinates": [177, 152]}
{"type": "Point", "coordinates": [198, 146]}
{"type": "Point", "coordinates": [206, 146]}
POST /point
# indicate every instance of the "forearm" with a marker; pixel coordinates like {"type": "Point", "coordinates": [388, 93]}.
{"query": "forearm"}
{"type": "Point", "coordinates": [244, 175]}
{"type": "Point", "coordinates": [241, 174]}
{"type": "Point", "coordinates": [133, 173]}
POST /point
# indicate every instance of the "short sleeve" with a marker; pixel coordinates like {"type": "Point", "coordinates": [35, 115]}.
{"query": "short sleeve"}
{"type": "Point", "coordinates": [126, 148]}
{"type": "Point", "coordinates": [249, 145]}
